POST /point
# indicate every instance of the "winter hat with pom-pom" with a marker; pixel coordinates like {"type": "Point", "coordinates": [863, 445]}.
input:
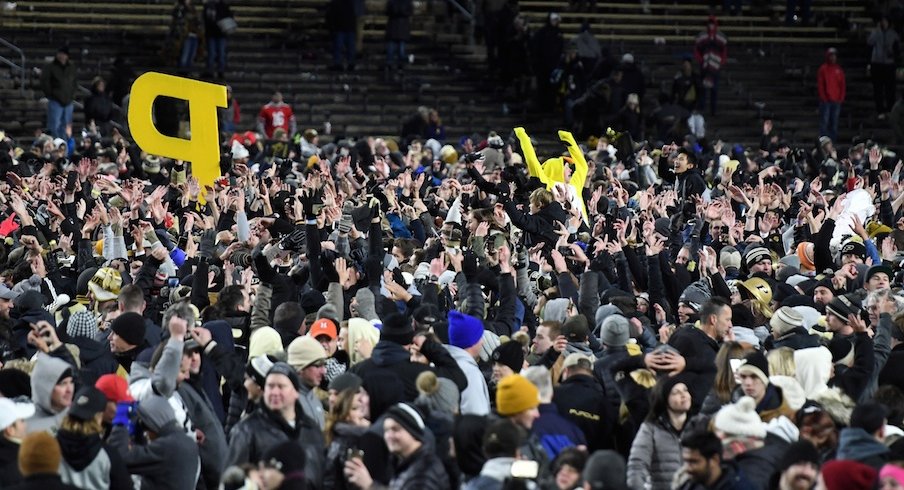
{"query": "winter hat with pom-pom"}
{"type": "Point", "coordinates": [740, 419]}
{"type": "Point", "coordinates": [437, 393]}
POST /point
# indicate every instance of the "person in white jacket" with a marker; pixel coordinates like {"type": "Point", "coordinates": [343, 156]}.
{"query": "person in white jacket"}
{"type": "Point", "coordinates": [465, 341]}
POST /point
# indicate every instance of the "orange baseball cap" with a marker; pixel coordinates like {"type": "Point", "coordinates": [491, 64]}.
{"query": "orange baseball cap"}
{"type": "Point", "coordinates": [324, 326]}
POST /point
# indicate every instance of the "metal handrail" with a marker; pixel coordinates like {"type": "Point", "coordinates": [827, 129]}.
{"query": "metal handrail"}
{"type": "Point", "coordinates": [462, 10]}
{"type": "Point", "coordinates": [20, 67]}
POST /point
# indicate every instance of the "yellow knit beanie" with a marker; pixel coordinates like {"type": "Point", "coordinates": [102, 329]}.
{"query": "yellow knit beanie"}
{"type": "Point", "coordinates": [516, 394]}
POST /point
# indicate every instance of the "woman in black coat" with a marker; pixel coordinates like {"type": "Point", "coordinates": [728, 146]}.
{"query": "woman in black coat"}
{"type": "Point", "coordinates": [345, 425]}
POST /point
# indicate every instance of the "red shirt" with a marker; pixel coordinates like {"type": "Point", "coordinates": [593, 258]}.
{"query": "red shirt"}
{"type": "Point", "coordinates": [274, 116]}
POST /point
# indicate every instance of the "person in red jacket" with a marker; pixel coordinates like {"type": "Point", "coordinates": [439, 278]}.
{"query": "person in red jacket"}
{"type": "Point", "coordinates": [711, 53]}
{"type": "Point", "coordinates": [832, 87]}
{"type": "Point", "coordinates": [276, 114]}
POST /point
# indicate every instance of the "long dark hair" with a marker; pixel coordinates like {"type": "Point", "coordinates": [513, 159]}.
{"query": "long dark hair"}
{"type": "Point", "coordinates": [659, 396]}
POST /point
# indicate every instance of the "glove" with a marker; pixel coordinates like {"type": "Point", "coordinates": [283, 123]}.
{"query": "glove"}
{"type": "Point", "coordinates": [123, 415]}
{"type": "Point", "coordinates": [469, 266]}
{"type": "Point", "coordinates": [207, 245]}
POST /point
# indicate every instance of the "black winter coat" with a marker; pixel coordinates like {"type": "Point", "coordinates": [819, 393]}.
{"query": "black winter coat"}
{"type": "Point", "coordinates": [894, 366]}
{"type": "Point", "coordinates": [398, 24]}
{"type": "Point", "coordinates": [759, 464]}
{"type": "Point", "coordinates": [540, 227]}
{"type": "Point", "coordinates": [392, 360]}
{"type": "Point", "coordinates": [421, 471]}
{"type": "Point", "coordinates": [264, 428]}
{"type": "Point", "coordinates": [582, 399]}
{"type": "Point", "coordinates": [602, 369]}
{"type": "Point", "coordinates": [345, 437]}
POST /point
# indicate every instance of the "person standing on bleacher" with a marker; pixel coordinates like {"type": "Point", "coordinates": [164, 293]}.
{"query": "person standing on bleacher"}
{"type": "Point", "coordinates": [711, 53]}
{"type": "Point", "coordinates": [58, 81]}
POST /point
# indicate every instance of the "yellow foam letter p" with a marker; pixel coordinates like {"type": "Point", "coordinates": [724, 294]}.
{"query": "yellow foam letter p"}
{"type": "Point", "coordinates": [203, 149]}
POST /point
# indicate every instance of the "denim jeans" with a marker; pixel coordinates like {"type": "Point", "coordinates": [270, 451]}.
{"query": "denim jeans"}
{"type": "Point", "coordinates": [58, 117]}
{"type": "Point", "coordinates": [828, 119]}
{"type": "Point", "coordinates": [216, 53]}
{"type": "Point", "coordinates": [189, 50]}
{"type": "Point", "coordinates": [344, 43]}
{"type": "Point", "coordinates": [395, 49]}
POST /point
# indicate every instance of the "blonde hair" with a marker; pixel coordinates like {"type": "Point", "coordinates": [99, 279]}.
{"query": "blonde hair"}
{"type": "Point", "coordinates": [781, 362]}
{"type": "Point", "coordinates": [359, 328]}
{"type": "Point", "coordinates": [541, 197]}
{"type": "Point", "coordinates": [81, 427]}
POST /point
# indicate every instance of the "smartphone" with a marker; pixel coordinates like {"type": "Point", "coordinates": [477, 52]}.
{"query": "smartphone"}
{"type": "Point", "coordinates": [525, 469]}
{"type": "Point", "coordinates": [352, 453]}
{"type": "Point", "coordinates": [172, 282]}
{"type": "Point", "coordinates": [735, 365]}
{"type": "Point", "coordinates": [71, 179]}
{"type": "Point", "coordinates": [566, 251]}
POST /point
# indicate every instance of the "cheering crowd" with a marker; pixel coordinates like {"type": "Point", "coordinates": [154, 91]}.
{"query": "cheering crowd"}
{"type": "Point", "coordinates": [381, 314]}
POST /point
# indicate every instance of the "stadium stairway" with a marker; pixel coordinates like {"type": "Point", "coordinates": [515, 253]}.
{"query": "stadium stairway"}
{"type": "Point", "coordinates": [283, 44]}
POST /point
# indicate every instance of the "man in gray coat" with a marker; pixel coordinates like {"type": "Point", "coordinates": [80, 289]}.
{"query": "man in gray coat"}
{"type": "Point", "coordinates": [169, 459]}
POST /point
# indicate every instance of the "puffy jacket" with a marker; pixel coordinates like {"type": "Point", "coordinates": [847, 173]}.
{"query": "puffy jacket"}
{"type": "Point", "coordinates": [421, 471]}
{"type": "Point", "coordinates": [345, 437]}
{"type": "Point", "coordinates": [830, 82]}
{"type": "Point", "coordinates": [87, 464]}
{"type": "Point", "coordinates": [655, 455]}
{"type": "Point", "coordinates": [602, 370]}
{"type": "Point", "coordinates": [264, 428]}
{"type": "Point", "coordinates": [391, 359]}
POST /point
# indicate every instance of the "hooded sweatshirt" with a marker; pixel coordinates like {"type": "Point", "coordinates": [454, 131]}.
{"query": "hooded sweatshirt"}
{"type": "Point", "coordinates": [830, 82]}
{"type": "Point", "coordinates": [46, 374]}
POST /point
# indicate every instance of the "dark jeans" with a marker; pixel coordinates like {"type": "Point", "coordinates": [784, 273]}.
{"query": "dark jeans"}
{"type": "Point", "coordinates": [344, 43]}
{"type": "Point", "coordinates": [58, 117]}
{"type": "Point", "coordinates": [710, 93]}
{"type": "Point", "coordinates": [828, 119]}
{"type": "Point", "coordinates": [395, 49]}
{"type": "Point", "coordinates": [884, 83]}
{"type": "Point", "coordinates": [216, 53]}
{"type": "Point", "coordinates": [189, 49]}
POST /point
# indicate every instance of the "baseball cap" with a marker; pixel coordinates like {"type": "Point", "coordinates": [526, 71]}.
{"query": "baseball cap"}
{"type": "Point", "coordinates": [12, 410]}
{"type": "Point", "coordinates": [323, 326]}
{"type": "Point", "coordinates": [88, 402]}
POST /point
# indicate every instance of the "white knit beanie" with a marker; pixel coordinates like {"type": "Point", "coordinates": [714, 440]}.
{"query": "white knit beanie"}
{"type": "Point", "coordinates": [740, 419]}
